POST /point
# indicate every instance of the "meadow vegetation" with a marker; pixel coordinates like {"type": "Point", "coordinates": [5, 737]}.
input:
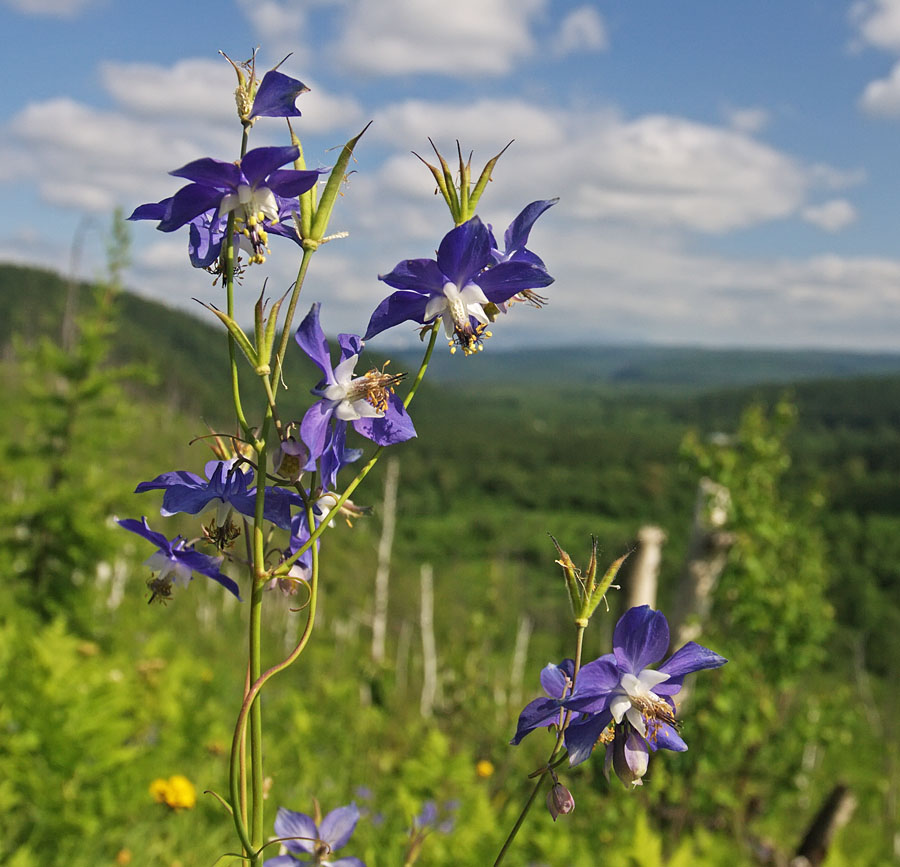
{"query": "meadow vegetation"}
{"type": "Point", "coordinates": [103, 693]}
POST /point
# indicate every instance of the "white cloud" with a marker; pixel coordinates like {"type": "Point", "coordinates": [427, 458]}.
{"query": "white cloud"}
{"type": "Point", "coordinates": [90, 159]}
{"type": "Point", "coordinates": [881, 97]}
{"type": "Point", "coordinates": [190, 88]}
{"type": "Point", "coordinates": [279, 25]}
{"type": "Point", "coordinates": [832, 216]}
{"type": "Point", "coordinates": [583, 29]}
{"type": "Point", "coordinates": [462, 39]}
{"type": "Point", "coordinates": [652, 170]}
{"type": "Point", "coordinates": [878, 22]}
{"type": "Point", "coordinates": [627, 285]}
{"type": "Point", "coordinates": [52, 8]}
{"type": "Point", "coordinates": [747, 120]}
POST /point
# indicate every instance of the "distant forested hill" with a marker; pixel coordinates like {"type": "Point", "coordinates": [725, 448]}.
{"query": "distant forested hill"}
{"type": "Point", "coordinates": [188, 353]}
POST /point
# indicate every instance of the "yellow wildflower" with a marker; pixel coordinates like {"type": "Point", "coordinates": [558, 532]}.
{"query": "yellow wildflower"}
{"type": "Point", "coordinates": [177, 792]}
{"type": "Point", "coordinates": [484, 768]}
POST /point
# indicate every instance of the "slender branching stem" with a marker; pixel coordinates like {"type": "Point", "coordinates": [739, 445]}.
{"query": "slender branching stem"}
{"type": "Point", "coordinates": [554, 755]}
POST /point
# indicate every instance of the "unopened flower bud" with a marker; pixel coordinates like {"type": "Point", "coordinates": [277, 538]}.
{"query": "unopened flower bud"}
{"type": "Point", "coordinates": [289, 458]}
{"type": "Point", "coordinates": [559, 801]}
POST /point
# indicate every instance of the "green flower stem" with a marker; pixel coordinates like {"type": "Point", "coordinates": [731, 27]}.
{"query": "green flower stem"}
{"type": "Point", "coordinates": [423, 366]}
{"type": "Point", "coordinates": [289, 318]}
{"type": "Point", "coordinates": [554, 759]}
{"type": "Point", "coordinates": [229, 290]}
{"type": "Point", "coordinates": [254, 689]}
{"type": "Point", "coordinates": [286, 565]}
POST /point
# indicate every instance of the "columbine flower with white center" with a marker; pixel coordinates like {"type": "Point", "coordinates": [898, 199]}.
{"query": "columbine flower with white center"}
{"type": "Point", "coordinates": [367, 402]}
{"type": "Point", "coordinates": [303, 836]}
{"type": "Point", "coordinates": [455, 287]}
{"type": "Point", "coordinates": [255, 188]}
{"type": "Point", "coordinates": [175, 562]}
{"type": "Point", "coordinates": [621, 689]}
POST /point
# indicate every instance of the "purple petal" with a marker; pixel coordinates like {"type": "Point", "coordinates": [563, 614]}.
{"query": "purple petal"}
{"type": "Point", "coordinates": [503, 281]}
{"type": "Point", "coordinates": [555, 678]}
{"type": "Point", "coordinates": [259, 162]}
{"type": "Point", "coordinates": [594, 685]}
{"type": "Point", "coordinates": [350, 345]}
{"type": "Point", "coordinates": [417, 275]}
{"type": "Point", "coordinates": [348, 862]}
{"type": "Point", "coordinates": [641, 638]}
{"type": "Point", "coordinates": [538, 713]}
{"type": "Point", "coordinates": [142, 529]}
{"type": "Point", "coordinates": [691, 657]}
{"type": "Point", "coordinates": [311, 339]}
{"type": "Point", "coordinates": [630, 757]}
{"type": "Point", "coordinates": [516, 236]}
{"type": "Point", "coordinates": [464, 251]}
{"type": "Point", "coordinates": [276, 95]}
{"type": "Point", "coordinates": [667, 738]}
{"type": "Point", "coordinates": [291, 824]}
{"type": "Point", "coordinates": [581, 737]}
{"type": "Point", "coordinates": [192, 501]}
{"type": "Point", "coordinates": [276, 506]}
{"type": "Point", "coordinates": [290, 183]}
{"type": "Point", "coordinates": [282, 861]}
{"type": "Point", "coordinates": [189, 202]}
{"type": "Point", "coordinates": [394, 427]}
{"type": "Point", "coordinates": [205, 240]}
{"type": "Point", "coordinates": [210, 173]}
{"type": "Point", "coordinates": [338, 825]}
{"type": "Point", "coordinates": [397, 308]}
{"type": "Point", "coordinates": [314, 430]}
{"type": "Point", "coordinates": [168, 480]}
{"type": "Point", "coordinates": [208, 566]}
{"type": "Point", "coordinates": [151, 211]}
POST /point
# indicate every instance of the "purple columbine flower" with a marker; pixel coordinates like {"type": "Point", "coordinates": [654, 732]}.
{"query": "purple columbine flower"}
{"type": "Point", "coordinates": [176, 562]}
{"type": "Point", "coordinates": [367, 402]}
{"type": "Point", "coordinates": [276, 96]}
{"type": "Point", "coordinates": [621, 688]}
{"type": "Point", "coordinates": [514, 239]}
{"type": "Point", "coordinates": [255, 188]}
{"type": "Point", "coordinates": [545, 712]}
{"type": "Point", "coordinates": [303, 837]}
{"type": "Point", "coordinates": [226, 486]}
{"type": "Point", "coordinates": [455, 287]}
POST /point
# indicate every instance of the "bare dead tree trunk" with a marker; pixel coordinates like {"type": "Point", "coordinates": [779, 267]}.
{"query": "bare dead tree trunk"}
{"type": "Point", "coordinates": [382, 572]}
{"type": "Point", "coordinates": [401, 667]}
{"type": "Point", "coordinates": [645, 570]}
{"type": "Point", "coordinates": [706, 557]}
{"type": "Point", "coordinates": [429, 654]}
{"type": "Point", "coordinates": [520, 657]}
{"type": "Point", "coordinates": [832, 816]}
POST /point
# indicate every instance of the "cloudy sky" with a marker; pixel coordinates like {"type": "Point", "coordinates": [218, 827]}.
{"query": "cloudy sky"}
{"type": "Point", "coordinates": [727, 172]}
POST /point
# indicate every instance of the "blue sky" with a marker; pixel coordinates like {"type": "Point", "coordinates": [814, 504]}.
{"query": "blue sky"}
{"type": "Point", "coordinates": [727, 172]}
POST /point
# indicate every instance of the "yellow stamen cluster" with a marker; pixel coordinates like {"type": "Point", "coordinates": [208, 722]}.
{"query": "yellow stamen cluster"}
{"type": "Point", "coordinates": [607, 735]}
{"type": "Point", "coordinates": [252, 227]}
{"type": "Point", "coordinates": [376, 387]}
{"type": "Point", "coordinates": [469, 340]}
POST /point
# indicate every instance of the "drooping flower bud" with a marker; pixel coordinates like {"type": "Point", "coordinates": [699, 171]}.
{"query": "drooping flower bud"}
{"type": "Point", "coordinates": [559, 801]}
{"type": "Point", "coordinates": [289, 458]}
